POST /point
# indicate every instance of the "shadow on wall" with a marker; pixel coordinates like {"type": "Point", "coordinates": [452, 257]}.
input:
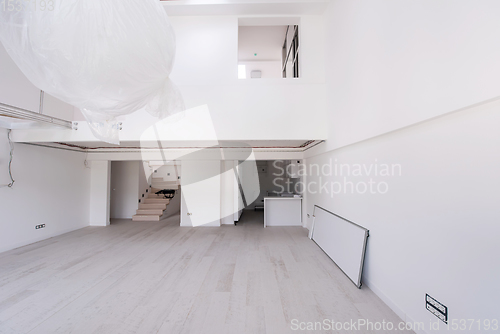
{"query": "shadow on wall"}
{"type": "Point", "coordinates": [174, 207]}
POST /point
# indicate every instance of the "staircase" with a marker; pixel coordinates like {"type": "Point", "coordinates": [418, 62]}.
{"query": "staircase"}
{"type": "Point", "coordinates": [151, 209]}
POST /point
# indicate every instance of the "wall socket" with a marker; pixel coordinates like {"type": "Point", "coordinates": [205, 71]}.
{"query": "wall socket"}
{"type": "Point", "coordinates": [436, 308]}
{"type": "Point", "coordinates": [37, 227]}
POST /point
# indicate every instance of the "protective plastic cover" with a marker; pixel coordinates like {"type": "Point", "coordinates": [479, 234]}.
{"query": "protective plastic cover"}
{"type": "Point", "coordinates": [106, 57]}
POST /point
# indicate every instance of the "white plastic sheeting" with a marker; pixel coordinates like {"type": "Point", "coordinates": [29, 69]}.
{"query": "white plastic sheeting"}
{"type": "Point", "coordinates": [106, 57]}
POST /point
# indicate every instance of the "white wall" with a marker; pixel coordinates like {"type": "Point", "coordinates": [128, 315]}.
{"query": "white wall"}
{"type": "Point", "coordinates": [260, 42]}
{"type": "Point", "coordinates": [174, 206]}
{"type": "Point", "coordinates": [387, 70]}
{"type": "Point", "coordinates": [100, 189]}
{"type": "Point", "coordinates": [390, 66]}
{"type": "Point", "coordinates": [144, 172]}
{"type": "Point", "coordinates": [265, 182]}
{"type": "Point", "coordinates": [207, 50]}
{"type": "Point", "coordinates": [52, 188]}
{"type": "Point", "coordinates": [391, 63]}
{"type": "Point", "coordinates": [435, 230]}
{"type": "Point", "coordinates": [169, 173]}
{"type": "Point", "coordinates": [206, 71]}
{"type": "Point", "coordinates": [249, 179]}
{"type": "Point", "coordinates": [125, 178]}
{"type": "Point", "coordinates": [269, 69]}
{"type": "Point", "coordinates": [15, 88]}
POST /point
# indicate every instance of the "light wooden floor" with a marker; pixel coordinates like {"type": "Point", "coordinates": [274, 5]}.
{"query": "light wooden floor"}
{"type": "Point", "coordinates": [138, 277]}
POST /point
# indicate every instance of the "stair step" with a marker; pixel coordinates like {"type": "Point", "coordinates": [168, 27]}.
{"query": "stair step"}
{"type": "Point", "coordinates": [156, 201]}
{"type": "Point", "coordinates": [165, 185]}
{"type": "Point", "coordinates": [155, 190]}
{"type": "Point", "coordinates": [152, 206]}
{"type": "Point", "coordinates": [160, 196]}
{"type": "Point", "coordinates": [156, 196]}
{"type": "Point", "coordinates": [149, 212]}
{"type": "Point", "coordinates": [145, 218]}
{"type": "Point", "coordinates": [170, 187]}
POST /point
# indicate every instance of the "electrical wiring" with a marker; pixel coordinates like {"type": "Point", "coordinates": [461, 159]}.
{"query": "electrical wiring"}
{"type": "Point", "coordinates": [11, 144]}
{"type": "Point", "coordinates": [86, 163]}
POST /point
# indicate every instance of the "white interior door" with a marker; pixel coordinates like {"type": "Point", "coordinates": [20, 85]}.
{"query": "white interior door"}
{"type": "Point", "coordinates": [201, 187]}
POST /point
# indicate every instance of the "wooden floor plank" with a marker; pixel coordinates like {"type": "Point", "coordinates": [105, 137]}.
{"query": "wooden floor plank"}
{"type": "Point", "coordinates": [158, 277]}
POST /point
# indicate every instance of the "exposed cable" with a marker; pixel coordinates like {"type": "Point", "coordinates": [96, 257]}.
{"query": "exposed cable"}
{"type": "Point", "coordinates": [11, 144]}
{"type": "Point", "coordinates": [86, 163]}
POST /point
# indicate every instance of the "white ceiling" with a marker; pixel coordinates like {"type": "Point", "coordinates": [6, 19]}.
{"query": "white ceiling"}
{"type": "Point", "coordinates": [265, 41]}
{"type": "Point", "coordinates": [244, 7]}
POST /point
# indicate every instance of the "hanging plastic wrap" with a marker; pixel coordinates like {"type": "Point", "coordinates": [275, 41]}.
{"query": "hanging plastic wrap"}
{"type": "Point", "coordinates": [106, 57]}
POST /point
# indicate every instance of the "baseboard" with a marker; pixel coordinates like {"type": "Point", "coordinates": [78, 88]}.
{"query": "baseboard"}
{"type": "Point", "coordinates": [38, 239]}
{"type": "Point", "coordinates": [106, 224]}
{"type": "Point", "coordinates": [389, 302]}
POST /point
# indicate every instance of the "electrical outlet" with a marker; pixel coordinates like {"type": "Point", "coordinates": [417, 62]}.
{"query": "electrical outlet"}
{"type": "Point", "coordinates": [37, 227]}
{"type": "Point", "coordinates": [436, 308]}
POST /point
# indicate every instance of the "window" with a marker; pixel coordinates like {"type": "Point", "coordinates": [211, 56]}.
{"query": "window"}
{"type": "Point", "coordinates": [290, 53]}
{"type": "Point", "coordinates": [242, 72]}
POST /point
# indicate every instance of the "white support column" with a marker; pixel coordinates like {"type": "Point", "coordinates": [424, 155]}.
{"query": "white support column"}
{"type": "Point", "coordinates": [100, 181]}
{"type": "Point", "coordinates": [306, 221]}
{"type": "Point", "coordinates": [238, 201]}
{"type": "Point", "coordinates": [227, 192]}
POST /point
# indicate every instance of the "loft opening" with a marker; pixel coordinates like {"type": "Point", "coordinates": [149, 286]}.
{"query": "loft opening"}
{"type": "Point", "coordinates": [268, 48]}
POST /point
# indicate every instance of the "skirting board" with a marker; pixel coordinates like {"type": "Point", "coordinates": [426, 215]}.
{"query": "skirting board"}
{"type": "Point", "coordinates": [389, 302]}
{"type": "Point", "coordinates": [38, 239]}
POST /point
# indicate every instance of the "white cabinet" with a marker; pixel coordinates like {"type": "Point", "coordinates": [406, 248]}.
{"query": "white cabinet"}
{"type": "Point", "coordinates": [282, 211]}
